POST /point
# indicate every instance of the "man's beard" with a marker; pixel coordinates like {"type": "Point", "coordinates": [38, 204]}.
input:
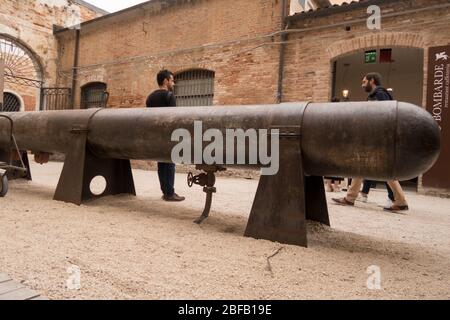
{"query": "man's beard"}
{"type": "Point", "coordinates": [368, 88]}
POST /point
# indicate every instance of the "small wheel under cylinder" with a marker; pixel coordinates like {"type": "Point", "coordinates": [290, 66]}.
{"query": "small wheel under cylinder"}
{"type": "Point", "coordinates": [4, 186]}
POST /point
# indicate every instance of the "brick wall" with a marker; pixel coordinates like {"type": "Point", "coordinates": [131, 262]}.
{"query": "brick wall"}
{"type": "Point", "coordinates": [309, 57]}
{"type": "Point", "coordinates": [31, 24]}
{"type": "Point", "coordinates": [126, 51]}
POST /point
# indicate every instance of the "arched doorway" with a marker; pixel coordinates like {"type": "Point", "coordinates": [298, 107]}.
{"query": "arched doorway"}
{"type": "Point", "coordinates": [402, 74]}
{"type": "Point", "coordinates": [94, 95]}
{"type": "Point", "coordinates": [194, 88]}
{"type": "Point", "coordinates": [23, 72]}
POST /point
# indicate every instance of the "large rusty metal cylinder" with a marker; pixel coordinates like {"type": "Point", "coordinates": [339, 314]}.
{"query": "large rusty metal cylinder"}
{"type": "Point", "coordinates": [378, 140]}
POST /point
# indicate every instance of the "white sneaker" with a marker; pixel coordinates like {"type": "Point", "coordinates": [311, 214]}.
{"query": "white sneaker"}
{"type": "Point", "coordinates": [389, 203]}
{"type": "Point", "coordinates": [362, 197]}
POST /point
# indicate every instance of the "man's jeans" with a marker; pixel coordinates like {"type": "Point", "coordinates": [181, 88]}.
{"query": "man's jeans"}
{"type": "Point", "coordinates": [368, 185]}
{"type": "Point", "coordinates": [166, 174]}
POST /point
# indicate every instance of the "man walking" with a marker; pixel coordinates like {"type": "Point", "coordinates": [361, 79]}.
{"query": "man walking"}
{"type": "Point", "coordinates": [372, 84]}
{"type": "Point", "coordinates": [376, 92]}
{"type": "Point", "coordinates": [164, 97]}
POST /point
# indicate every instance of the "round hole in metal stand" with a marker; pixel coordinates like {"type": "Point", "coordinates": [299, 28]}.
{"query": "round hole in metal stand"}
{"type": "Point", "coordinates": [98, 186]}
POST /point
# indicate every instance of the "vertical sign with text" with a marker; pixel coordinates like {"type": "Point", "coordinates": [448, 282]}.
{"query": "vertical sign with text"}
{"type": "Point", "coordinates": [438, 99]}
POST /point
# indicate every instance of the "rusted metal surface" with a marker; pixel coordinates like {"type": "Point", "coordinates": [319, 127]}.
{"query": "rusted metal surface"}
{"type": "Point", "coordinates": [377, 140]}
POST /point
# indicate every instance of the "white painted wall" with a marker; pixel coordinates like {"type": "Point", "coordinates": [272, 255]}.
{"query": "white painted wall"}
{"type": "Point", "coordinates": [297, 7]}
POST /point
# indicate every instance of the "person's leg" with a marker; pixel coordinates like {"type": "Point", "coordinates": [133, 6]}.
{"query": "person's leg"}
{"type": "Point", "coordinates": [335, 185]}
{"type": "Point", "coordinates": [354, 189]}
{"type": "Point", "coordinates": [166, 173]}
{"type": "Point", "coordinates": [390, 192]}
{"type": "Point", "coordinates": [168, 178]}
{"type": "Point", "coordinates": [328, 187]}
{"type": "Point", "coordinates": [170, 188]}
{"type": "Point", "coordinates": [352, 193]}
{"type": "Point", "coordinates": [162, 176]}
{"type": "Point", "coordinates": [399, 196]}
{"type": "Point", "coordinates": [366, 186]}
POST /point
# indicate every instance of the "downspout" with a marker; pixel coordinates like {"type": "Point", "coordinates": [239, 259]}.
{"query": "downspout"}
{"type": "Point", "coordinates": [75, 66]}
{"type": "Point", "coordinates": [2, 82]}
{"type": "Point", "coordinates": [284, 25]}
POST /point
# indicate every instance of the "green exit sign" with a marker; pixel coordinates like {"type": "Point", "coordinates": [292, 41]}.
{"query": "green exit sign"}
{"type": "Point", "coordinates": [371, 56]}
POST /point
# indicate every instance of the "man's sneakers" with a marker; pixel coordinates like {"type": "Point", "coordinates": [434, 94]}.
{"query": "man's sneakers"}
{"type": "Point", "coordinates": [389, 203]}
{"type": "Point", "coordinates": [173, 198]}
{"type": "Point", "coordinates": [343, 202]}
{"type": "Point", "coordinates": [396, 208]}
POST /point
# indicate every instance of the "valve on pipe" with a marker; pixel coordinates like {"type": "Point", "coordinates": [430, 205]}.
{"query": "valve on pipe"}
{"type": "Point", "coordinates": [207, 180]}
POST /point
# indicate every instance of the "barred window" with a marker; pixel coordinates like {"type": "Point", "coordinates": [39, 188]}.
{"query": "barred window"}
{"type": "Point", "coordinates": [194, 88]}
{"type": "Point", "coordinates": [11, 103]}
{"type": "Point", "coordinates": [94, 95]}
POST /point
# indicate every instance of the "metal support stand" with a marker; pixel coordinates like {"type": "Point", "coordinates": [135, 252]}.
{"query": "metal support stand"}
{"type": "Point", "coordinates": [207, 180]}
{"type": "Point", "coordinates": [81, 166]}
{"type": "Point", "coordinates": [285, 201]}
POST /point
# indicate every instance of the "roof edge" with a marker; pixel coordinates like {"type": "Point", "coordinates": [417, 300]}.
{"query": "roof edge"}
{"type": "Point", "coordinates": [91, 6]}
{"type": "Point", "coordinates": [344, 7]}
{"type": "Point", "coordinates": [117, 13]}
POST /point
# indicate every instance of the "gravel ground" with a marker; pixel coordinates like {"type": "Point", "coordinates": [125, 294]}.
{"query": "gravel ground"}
{"type": "Point", "coordinates": [143, 248]}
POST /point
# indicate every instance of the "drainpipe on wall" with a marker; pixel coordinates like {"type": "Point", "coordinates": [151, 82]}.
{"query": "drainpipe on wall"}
{"type": "Point", "coordinates": [284, 26]}
{"type": "Point", "coordinates": [75, 66]}
{"type": "Point", "coordinates": [2, 83]}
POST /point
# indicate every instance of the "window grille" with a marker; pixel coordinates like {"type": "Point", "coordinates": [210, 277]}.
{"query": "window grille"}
{"type": "Point", "coordinates": [194, 88]}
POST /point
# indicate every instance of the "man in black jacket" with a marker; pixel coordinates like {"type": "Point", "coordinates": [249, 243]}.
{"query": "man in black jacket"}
{"type": "Point", "coordinates": [164, 97]}
{"type": "Point", "coordinates": [372, 84]}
